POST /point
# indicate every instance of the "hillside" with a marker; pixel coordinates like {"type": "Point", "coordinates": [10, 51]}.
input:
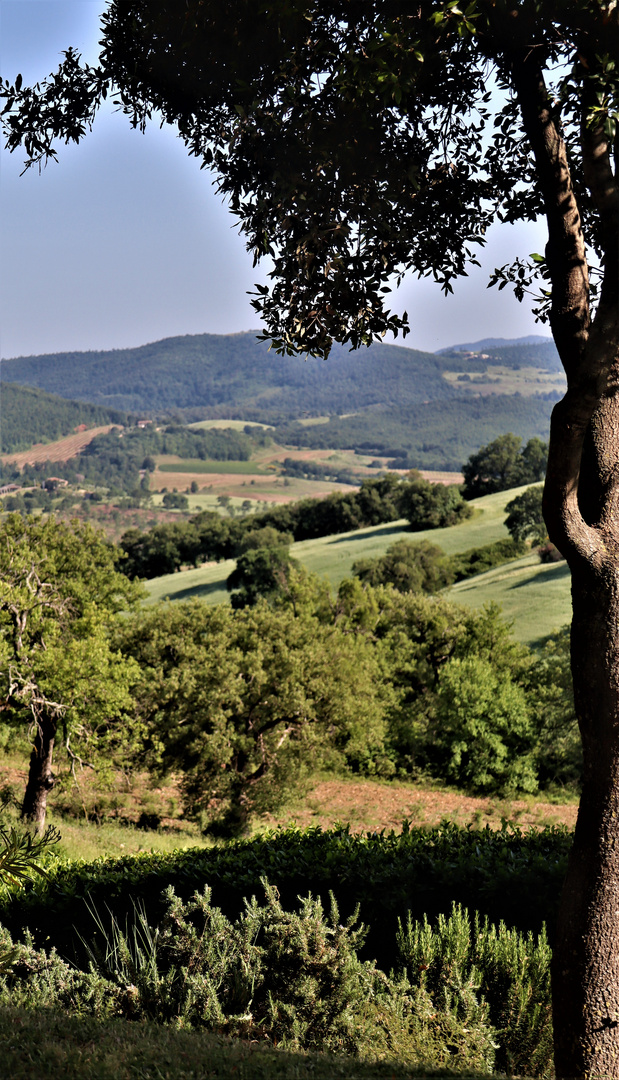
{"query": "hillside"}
{"type": "Point", "coordinates": [29, 416]}
{"type": "Point", "coordinates": [431, 410]}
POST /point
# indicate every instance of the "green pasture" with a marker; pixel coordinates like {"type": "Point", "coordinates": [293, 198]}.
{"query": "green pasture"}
{"type": "Point", "coordinates": [236, 425]}
{"type": "Point", "coordinates": [534, 597]}
{"type": "Point", "coordinates": [197, 465]}
{"type": "Point", "coordinates": [333, 556]}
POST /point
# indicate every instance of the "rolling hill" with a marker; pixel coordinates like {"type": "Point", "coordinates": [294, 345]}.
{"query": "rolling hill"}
{"type": "Point", "coordinates": [29, 415]}
{"type": "Point", "coordinates": [433, 410]}
{"type": "Point", "coordinates": [535, 597]}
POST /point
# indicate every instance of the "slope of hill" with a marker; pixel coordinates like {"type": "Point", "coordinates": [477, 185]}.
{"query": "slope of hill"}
{"type": "Point", "coordinates": [235, 371]}
{"type": "Point", "coordinates": [227, 374]}
{"type": "Point", "coordinates": [535, 597]}
{"type": "Point", "coordinates": [432, 410]}
{"type": "Point", "coordinates": [29, 416]}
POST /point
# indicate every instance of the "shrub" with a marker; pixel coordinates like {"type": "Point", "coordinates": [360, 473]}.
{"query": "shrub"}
{"type": "Point", "coordinates": [295, 979]}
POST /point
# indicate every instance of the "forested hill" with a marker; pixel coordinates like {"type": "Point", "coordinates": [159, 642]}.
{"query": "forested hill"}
{"type": "Point", "coordinates": [235, 375]}
{"type": "Point", "coordinates": [29, 416]}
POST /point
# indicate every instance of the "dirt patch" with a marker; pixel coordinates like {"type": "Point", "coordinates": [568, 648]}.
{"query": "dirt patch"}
{"type": "Point", "coordinates": [367, 805]}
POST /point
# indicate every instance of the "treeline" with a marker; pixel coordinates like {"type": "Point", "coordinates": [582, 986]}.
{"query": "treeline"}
{"type": "Point", "coordinates": [32, 416]}
{"type": "Point", "coordinates": [504, 463]}
{"type": "Point", "coordinates": [318, 470]}
{"type": "Point", "coordinates": [205, 537]}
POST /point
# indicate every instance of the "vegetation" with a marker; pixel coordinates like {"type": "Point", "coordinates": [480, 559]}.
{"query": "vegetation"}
{"type": "Point", "coordinates": [32, 416]}
{"type": "Point", "coordinates": [119, 459]}
{"type": "Point", "coordinates": [206, 537]}
{"type": "Point", "coordinates": [294, 979]}
{"type": "Point", "coordinates": [392, 156]}
{"type": "Point", "coordinates": [504, 463]}
{"type": "Point", "coordinates": [525, 520]}
{"type": "Point", "coordinates": [59, 674]}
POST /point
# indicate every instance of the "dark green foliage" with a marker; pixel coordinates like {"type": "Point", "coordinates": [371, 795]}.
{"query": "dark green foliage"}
{"type": "Point", "coordinates": [504, 464]}
{"type": "Point", "coordinates": [175, 500]}
{"type": "Point", "coordinates": [510, 876]}
{"type": "Point", "coordinates": [507, 970]}
{"type": "Point", "coordinates": [525, 520]}
{"type": "Point", "coordinates": [408, 566]}
{"type": "Point", "coordinates": [259, 572]}
{"type": "Point", "coordinates": [550, 690]}
{"type": "Point", "coordinates": [116, 458]}
{"type": "Point", "coordinates": [477, 560]}
{"type": "Point", "coordinates": [431, 506]}
{"type": "Point", "coordinates": [318, 470]}
{"type": "Point", "coordinates": [436, 435]}
{"type": "Point", "coordinates": [295, 978]}
{"type": "Point", "coordinates": [32, 416]}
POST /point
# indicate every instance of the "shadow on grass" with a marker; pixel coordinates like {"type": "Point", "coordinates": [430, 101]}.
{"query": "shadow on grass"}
{"type": "Point", "coordinates": [205, 589]}
{"type": "Point", "coordinates": [386, 530]}
{"type": "Point", "coordinates": [42, 1042]}
{"type": "Point", "coordinates": [554, 573]}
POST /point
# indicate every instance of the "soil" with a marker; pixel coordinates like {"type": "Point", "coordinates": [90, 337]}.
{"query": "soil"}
{"type": "Point", "coordinates": [368, 805]}
{"type": "Point", "coordinates": [364, 805]}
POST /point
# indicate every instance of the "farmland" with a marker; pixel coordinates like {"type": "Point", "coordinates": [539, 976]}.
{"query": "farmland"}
{"type": "Point", "coordinates": [60, 450]}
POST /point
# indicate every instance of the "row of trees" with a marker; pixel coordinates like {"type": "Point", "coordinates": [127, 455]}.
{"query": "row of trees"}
{"type": "Point", "coordinates": [207, 536]}
{"type": "Point", "coordinates": [243, 704]}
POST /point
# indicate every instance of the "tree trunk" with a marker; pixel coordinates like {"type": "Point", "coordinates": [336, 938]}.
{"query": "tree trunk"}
{"type": "Point", "coordinates": [40, 777]}
{"type": "Point", "coordinates": [586, 951]}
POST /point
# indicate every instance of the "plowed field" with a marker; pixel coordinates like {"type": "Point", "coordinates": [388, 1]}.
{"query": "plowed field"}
{"type": "Point", "coordinates": [61, 450]}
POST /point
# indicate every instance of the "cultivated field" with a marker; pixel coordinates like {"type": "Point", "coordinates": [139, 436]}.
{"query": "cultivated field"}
{"type": "Point", "coordinates": [497, 379]}
{"type": "Point", "coordinates": [61, 450]}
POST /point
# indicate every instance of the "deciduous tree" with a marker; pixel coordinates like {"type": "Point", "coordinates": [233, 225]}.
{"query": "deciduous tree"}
{"type": "Point", "coordinates": [358, 141]}
{"type": "Point", "coordinates": [58, 672]}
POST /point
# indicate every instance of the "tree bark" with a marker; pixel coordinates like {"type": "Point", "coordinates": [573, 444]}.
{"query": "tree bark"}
{"type": "Point", "coordinates": [40, 777]}
{"type": "Point", "coordinates": [581, 504]}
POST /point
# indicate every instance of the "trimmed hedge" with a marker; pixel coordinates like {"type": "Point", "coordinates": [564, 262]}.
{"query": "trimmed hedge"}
{"type": "Point", "coordinates": [511, 875]}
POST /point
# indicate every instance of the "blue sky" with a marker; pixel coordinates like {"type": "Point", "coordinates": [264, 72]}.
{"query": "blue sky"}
{"type": "Point", "coordinates": [125, 241]}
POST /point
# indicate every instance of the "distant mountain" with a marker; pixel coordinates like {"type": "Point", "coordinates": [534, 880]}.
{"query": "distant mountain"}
{"type": "Point", "coordinates": [496, 343]}
{"type": "Point", "coordinates": [230, 375]}
{"type": "Point", "coordinates": [29, 416]}
{"type": "Point", "coordinates": [396, 398]}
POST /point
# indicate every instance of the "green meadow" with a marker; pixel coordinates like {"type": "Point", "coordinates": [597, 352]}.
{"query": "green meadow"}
{"type": "Point", "coordinates": [534, 597]}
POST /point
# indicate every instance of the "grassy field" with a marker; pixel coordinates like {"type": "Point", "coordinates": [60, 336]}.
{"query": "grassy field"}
{"type": "Point", "coordinates": [534, 597]}
{"type": "Point", "coordinates": [333, 556]}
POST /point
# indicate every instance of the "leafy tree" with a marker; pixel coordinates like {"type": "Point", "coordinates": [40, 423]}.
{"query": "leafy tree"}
{"type": "Point", "coordinates": [525, 520]}
{"type": "Point", "coordinates": [59, 593]}
{"type": "Point", "coordinates": [408, 566]}
{"type": "Point", "coordinates": [504, 464]}
{"type": "Point", "coordinates": [431, 506]}
{"type": "Point", "coordinates": [483, 736]}
{"type": "Point", "coordinates": [357, 142]}
{"type": "Point", "coordinates": [242, 703]}
{"type": "Point", "coordinates": [259, 572]}
{"type": "Point", "coordinates": [175, 500]}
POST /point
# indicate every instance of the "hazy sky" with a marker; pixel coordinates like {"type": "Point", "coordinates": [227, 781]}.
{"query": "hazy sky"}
{"type": "Point", "coordinates": [125, 241]}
